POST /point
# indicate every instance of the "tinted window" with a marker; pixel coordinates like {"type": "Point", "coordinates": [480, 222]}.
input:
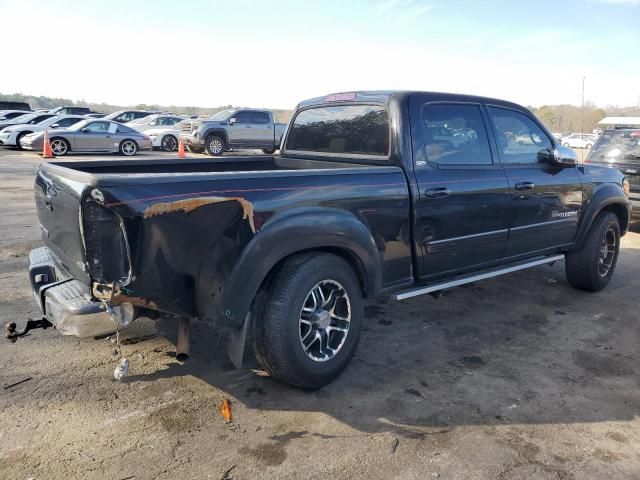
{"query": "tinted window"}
{"type": "Point", "coordinates": [350, 129]}
{"type": "Point", "coordinates": [97, 127]}
{"type": "Point", "coordinates": [616, 145]}
{"type": "Point", "coordinates": [520, 139]}
{"type": "Point", "coordinates": [455, 135]}
{"type": "Point", "coordinates": [39, 118]}
{"type": "Point", "coordinates": [260, 117]}
{"type": "Point", "coordinates": [67, 122]}
{"type": "Point", "coordinates": [244, 117]}
{"type": "Point", "coordinates": [124, 117]}
{"type": "Point", "coordinates": [140, 114]}
{"type": "Point", "coordinates": [11, 115]}
{"type": "Point", "coordinates": [79, 110]}
{"type": "Point", "coordinates": [123, 129]}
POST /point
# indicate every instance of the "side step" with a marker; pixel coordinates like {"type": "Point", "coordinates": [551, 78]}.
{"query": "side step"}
{"type": "Point", "coordinates": [414, 292]}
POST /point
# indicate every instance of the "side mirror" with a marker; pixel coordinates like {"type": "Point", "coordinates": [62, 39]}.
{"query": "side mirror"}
{"type": "Point", "coordinates": [55, 125]}
{"type": "Point", "coordinates": [153, 123]}
{"type": "Point", "coordinates": [564, 157]}
{"type": "Point", "coordinates": [232, 120]}
{"type": "Point", "coordinates": [85, 130]}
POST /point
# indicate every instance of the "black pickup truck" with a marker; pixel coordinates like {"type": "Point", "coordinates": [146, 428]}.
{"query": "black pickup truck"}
{"type": "Point", "coordinates": [374, 192]}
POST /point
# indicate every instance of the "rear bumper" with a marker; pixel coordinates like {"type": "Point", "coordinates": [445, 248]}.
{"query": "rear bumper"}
{"type": "Point", "coordinates": [67, 303]}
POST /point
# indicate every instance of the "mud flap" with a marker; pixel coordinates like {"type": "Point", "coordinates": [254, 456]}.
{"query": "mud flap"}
{"type": "Point", "coordinates": [236, 342]}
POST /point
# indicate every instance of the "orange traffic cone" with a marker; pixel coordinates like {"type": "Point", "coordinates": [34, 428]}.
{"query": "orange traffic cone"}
{"type": "Point", "coordinates": [181, 153]}
{"type": "Point", "coordinates": [46, 146]}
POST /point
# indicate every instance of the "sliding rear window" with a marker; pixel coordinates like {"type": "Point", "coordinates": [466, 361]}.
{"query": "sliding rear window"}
{"type": "Point", "coordinates": [359, 130]}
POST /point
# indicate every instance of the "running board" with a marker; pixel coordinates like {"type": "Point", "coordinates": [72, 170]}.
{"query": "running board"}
{"type": "Point", "coordinates": [414, 292]}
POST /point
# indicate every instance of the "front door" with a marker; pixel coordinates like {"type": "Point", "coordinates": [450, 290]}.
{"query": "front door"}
{"type": "Point", "coordinates": [463, 206]}
{"type": "Point", "coordinates": [545, 198]}
{"type": "Point", "coordinates": [242, 132]}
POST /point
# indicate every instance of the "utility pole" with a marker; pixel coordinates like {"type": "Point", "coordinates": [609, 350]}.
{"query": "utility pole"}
{"type": "Point", "coordinates": [582, 111]}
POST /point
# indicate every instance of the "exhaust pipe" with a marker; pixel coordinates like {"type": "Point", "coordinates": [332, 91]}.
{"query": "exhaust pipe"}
{"type": "Point", "coordinates": [182, 348]}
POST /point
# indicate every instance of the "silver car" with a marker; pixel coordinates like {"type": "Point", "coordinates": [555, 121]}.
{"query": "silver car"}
{"type": "Point", "coordinates": [91, 135]}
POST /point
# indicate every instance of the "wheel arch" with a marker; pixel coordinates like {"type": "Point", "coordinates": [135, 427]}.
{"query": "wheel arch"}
{"type": "Point", "coordinates": [335, 232]}
{"type": "Point", "coordinates": [219, 132]}
{"type": "Point", "coordinates": [609, 198]}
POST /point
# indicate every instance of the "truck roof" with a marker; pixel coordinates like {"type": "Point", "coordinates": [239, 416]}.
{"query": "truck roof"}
{"type": "Point", "coordinates": [385, 96]}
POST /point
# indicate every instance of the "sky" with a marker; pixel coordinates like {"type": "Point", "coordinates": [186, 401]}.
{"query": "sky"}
{"type": "Point", "coordinates": [274, 54]}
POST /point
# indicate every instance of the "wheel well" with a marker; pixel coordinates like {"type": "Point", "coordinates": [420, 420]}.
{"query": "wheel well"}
{"type": "Point", "coordinates": [131, 140]}
{"type": "Point", "coordinates": [346, 254]}
{"type": "Point", "coordinates": [621, 212]}
{"type": "Point", "coordinates": [216, 133]}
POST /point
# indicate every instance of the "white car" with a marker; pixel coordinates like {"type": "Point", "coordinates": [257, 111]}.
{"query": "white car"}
{"type": "Point", "coordinates": [164, 138]}
{"type": "Point", "coordinates": [11, 136]}
{"type": "Point", "coordinates": [577, 140]}
{"type": "Point", "coordinates": [161, 120]}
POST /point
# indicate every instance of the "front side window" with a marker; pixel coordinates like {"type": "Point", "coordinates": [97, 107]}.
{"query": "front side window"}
{"type": "Point", "coordinates": [341, 129]}
{"type": "Point", "coordinates": [520, 139]}
{"type": "Point", "coordinates": [97, 127]}
{"type": "Point", "coordinates": [244, 117]}
{"type": "Point", "coordinates": [455, 134]}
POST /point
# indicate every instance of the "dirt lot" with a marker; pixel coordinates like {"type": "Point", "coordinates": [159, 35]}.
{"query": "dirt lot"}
{"type": "Point", "coordinates": [517, 377]}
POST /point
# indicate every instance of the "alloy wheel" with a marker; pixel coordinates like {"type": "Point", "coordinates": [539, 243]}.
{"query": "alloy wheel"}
{"type": "Point", "coordinates": [607, 252]}
{"type": "Point", "coordinates": [216, 146]}
{"type": "Point", "coordinates": [129, 148]}
{"type": "Point", "coordinates": [59, 146]}
{"type": "Point", "coordinates": [325, 319]}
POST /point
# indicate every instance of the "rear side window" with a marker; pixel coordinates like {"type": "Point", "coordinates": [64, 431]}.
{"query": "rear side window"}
{"type": "Point", "coordinates": [455, 134]}
{"type": "Point", "coordinates": [123, 129]}
{"type": "Point", "coordinates": [520, 139]}
{"type": "Point", "coordinates": [260, 117]}
{"type": "Point", "coordinates": [341, 129]}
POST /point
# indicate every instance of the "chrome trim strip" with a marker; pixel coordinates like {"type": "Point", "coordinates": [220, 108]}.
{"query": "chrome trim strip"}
{"type": "Point", "coordinates": [550, 222]}
{"type": "Point", "coordinates": [464, 237]}
{"type": "Point", "coordinates": [403, 295]}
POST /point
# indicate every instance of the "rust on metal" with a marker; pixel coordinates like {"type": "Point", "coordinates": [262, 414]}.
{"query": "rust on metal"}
{"type": "Point", "coordinates": [190, 204]}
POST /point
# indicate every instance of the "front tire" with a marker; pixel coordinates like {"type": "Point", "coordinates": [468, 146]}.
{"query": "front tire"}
{"type": "Point", "coordinates": [128, 148]}
{"type": "Point", "coordinates": [214, 145]}
{"type": "Point", "coordinates": [59, 146]}
{"type": "Point", "coordinates": [169, 143]}
{"type": "Point", "coordinates": [308, 323]}
{"type": "Point", "coordinates": [592, 265]}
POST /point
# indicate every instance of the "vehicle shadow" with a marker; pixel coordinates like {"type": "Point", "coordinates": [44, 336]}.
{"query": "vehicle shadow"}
{"type": "Point", "coordinates": [524, 348]}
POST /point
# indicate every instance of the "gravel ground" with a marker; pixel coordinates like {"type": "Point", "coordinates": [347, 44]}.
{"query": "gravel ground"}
{"type": "Point", "coordinates": [516, 377]}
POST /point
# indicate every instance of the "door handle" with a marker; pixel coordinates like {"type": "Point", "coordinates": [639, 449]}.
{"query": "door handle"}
{"type": "Point", "coordinates": [525, 186]}
{"type": "Point", "coordinates": [439, 192]}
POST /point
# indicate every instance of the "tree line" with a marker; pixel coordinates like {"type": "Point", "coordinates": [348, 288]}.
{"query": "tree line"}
{"type": "Point", "coordinates": [570, 118]}
{"type": "Point", "coordinates": [37, 102]}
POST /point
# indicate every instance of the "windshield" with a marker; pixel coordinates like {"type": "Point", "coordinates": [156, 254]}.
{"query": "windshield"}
{"type": "Point", "coordinates": [616, 145]}
{"type": "Point", "coordinates": [222, 115]}
{"type": "Point", "coordinates": [79, 125]}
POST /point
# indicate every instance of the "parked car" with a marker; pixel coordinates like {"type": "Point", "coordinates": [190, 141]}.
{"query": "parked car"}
{"type": "Point", "coordinates": [24, 106]}
{"type": "Point", "coordinates": [90, 135]}
{"type": "Point", "coordinates": [11, 136]}
{"type": "Point", "coordinates": [362, 200]}
{"type": "Point", "coordinates": [95, 115]}
{"type": "Point", "coordinates": [71, 110]}
{"type": "Point", "coordinates": [165, 139]}
{"type": "Point", "coordinates": [7, 115]}
{"type": "Point", "coordinates": [235, 128]}
{"type": "Point", "coordinates": [155, 121]}
{"type": "Point", "coordinates": [126, 116]}
{"type": "Point", "coordinates": [577, 140]}
{"type": "Point", "coordinates": [25, 118]}
{"type": "Point", "coordinates": [620, 148]}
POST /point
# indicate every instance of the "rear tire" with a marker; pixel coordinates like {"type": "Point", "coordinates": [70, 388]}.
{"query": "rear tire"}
{"type": "Point", "coordinates": [307, 325]}
{"type": "Point", "coordinates": [128, 148]}
{"type": "Point", "coordinates": [20, 137]}
{"type": "Point", "coordinates": [59, 146]}
{"type": "Point", "coordinates": [592, 265]}
{"type": "Point", "coordinates": [169, 143]}
{"type": "Point", "coordinates": [214, 145]}
{"type": "Point", "coordinates": [268, 151]}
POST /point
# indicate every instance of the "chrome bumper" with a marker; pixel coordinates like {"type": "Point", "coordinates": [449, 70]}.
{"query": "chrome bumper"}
{"type": "Point", "coordinates": [67, 302]}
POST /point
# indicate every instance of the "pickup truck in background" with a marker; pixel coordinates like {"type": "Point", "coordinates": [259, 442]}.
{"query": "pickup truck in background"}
{"type": "Point", "coordinates": [235, 128]}
{"type": "Point", "coordinates": [404, 193]}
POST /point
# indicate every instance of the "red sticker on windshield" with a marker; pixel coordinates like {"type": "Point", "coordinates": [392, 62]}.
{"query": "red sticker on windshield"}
{"type": "Point", "coordinates": [340, 97]}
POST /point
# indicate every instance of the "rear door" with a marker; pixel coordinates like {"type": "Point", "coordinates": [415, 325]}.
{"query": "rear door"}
{"type": "Point", "coordinates": [263, 128]}
{"type": "Point", "coordinates": [545, 198]}
{"type": "Point", "coordinates": [463, 209]}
